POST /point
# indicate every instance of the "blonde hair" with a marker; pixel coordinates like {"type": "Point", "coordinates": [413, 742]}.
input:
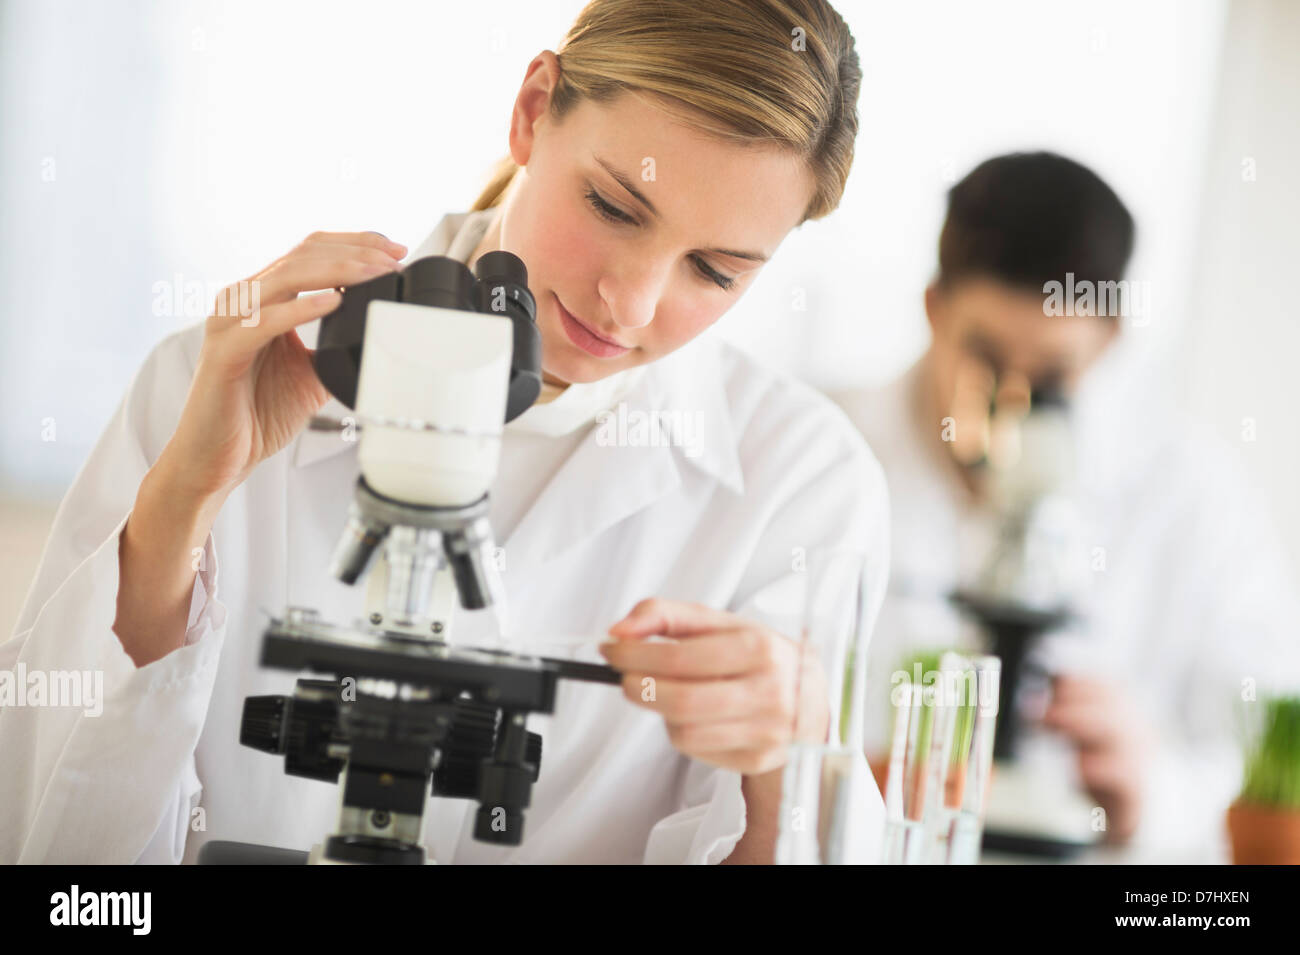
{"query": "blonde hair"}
{"type": "Point", "coordinates": [780, 73]}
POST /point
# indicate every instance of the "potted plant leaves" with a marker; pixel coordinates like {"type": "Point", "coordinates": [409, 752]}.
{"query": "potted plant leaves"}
{"type": "Point", "coordinates": [1264, 821]}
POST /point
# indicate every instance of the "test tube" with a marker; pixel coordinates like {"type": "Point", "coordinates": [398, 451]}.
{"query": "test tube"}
{"type": "Point", "coordinates": [971, 792]}
{"type": "Point", "coordinates": [940, 759]}
{"type": "Point", "coordinates": [910, 776]}
{"type": "Point", "coordinates": [953, 717]}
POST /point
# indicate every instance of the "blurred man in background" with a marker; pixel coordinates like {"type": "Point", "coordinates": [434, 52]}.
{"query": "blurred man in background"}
{"type": "Point", "coordinates": [1180, 606]}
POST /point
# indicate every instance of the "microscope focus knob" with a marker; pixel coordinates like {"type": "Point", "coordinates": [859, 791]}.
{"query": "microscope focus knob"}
{"type": "Point", "coordinates": [265, 722]}
{"type": "Point", "coordinates": [504, 792]}
{"type": "Point", "coordinates": [468, 742]}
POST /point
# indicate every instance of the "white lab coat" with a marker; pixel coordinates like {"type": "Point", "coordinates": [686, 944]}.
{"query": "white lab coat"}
{"type": "Point", "coordinates": [1188, 603]}
{"type": "Point", "coordinates": [778, 471]}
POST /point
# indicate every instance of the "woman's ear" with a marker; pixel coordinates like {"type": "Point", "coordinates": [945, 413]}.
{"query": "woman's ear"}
{"type": "Point", "coordinates": [532, 104]}
{"type": "Point", "coordinates": [933, 306]}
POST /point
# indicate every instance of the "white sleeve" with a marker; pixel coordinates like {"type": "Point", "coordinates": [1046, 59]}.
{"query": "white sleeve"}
{"type": "Point", "coordinates": [107, 775]}
{"type": "Point", "coordinates": [843, 504]}
{"type": "Point", "coordinates": [707, 830]}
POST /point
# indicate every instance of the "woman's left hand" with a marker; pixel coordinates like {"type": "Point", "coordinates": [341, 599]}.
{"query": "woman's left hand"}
{"type": "Point", "coordinates": [726, 687]}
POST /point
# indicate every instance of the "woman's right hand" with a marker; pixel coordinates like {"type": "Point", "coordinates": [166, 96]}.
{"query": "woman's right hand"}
{"type": "Point", "coordinates": [255, 387]}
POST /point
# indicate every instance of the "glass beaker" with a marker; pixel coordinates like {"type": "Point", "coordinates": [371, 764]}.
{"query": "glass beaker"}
{"type": "Point", "coordinates": [831, 809]}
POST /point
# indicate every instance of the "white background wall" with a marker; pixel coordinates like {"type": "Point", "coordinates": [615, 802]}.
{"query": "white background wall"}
{"type": "Point", "coordinates": [140, 141]}
{"type": "Point", "coordinates": [1236, 364]}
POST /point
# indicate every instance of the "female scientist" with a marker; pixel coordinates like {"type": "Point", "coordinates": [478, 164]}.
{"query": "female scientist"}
{"type": "Point", "coordinates": [206, 502]}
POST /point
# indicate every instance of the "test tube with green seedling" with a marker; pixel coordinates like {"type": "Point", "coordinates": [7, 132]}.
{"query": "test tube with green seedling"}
{"type": "Point", "coordinates": [941, 756]}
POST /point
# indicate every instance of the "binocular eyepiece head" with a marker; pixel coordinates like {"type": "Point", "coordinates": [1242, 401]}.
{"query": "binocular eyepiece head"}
{"type": "Point", "coordinates": [498, 285]}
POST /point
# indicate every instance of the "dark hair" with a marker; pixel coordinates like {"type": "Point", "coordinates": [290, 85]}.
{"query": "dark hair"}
{"type": "Point", "coordinates": [1026, 219]}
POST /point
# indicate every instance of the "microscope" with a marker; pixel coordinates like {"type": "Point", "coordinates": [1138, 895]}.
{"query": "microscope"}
{"type": "Point", "coordinates": [434, 360]}
{"type": "Point", "coordinates": [1028, 588]}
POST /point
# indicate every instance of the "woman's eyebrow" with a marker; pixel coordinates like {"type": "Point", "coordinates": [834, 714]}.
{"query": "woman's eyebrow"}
{"type": "Point", "coordinates": [623, 180]}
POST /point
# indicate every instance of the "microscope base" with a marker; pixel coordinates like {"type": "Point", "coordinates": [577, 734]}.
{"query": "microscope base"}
{"type": "Point", "coordinates": [1036, 815]}
{"type": "Point", "coordinates": [224, 852]}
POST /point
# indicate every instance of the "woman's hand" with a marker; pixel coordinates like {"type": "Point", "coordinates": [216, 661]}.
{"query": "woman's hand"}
{"type": "Point", "coordinates": [255, 387]}
{"type": "Point", "coordinates": [730, 691]}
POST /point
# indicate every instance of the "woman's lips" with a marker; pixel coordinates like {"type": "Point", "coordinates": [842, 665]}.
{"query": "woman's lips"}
{"type": "Point", "coordinates": [585, 338]}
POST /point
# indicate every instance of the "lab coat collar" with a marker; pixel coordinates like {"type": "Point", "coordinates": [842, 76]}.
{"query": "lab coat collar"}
{"type": "Point", "coordinates": [686, 388]}
{"type": "Point", "coordinates": [457, 235]}
{"type": "Point", "coordinates": [616, 470]}
{"type": "Point", "coordinates": [619, 470]}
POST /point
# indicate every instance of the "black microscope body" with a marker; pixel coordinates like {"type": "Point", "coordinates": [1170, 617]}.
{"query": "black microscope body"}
{"type": "Point", "coordinates": [401, 717]}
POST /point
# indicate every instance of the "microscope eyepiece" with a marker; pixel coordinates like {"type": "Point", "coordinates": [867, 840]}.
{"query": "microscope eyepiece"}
{"type": "Point", "coordinates": [498, 285]}
{"type": "Point", "coordinates": [503, 289]}
{"type": "Point", "coordinates": [439, 281]}
{"type": "Point", "coordinates": [501, 267]}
